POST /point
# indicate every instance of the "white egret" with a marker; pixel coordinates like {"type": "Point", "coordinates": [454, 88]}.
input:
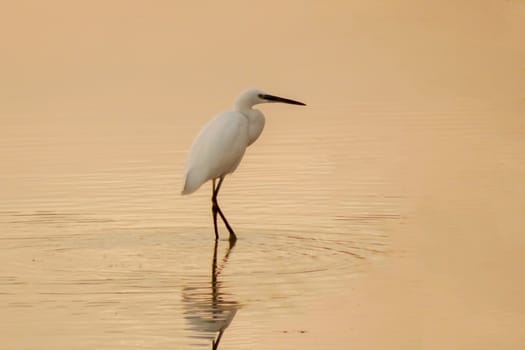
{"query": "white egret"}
{"type": "Point", "coordinates": [219, 147]}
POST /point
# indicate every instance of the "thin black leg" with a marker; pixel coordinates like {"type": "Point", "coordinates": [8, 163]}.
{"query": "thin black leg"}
{"type": "Point", "coordinates": [233, 237]}
{"type": "Point", "coordinates": [216, 209]}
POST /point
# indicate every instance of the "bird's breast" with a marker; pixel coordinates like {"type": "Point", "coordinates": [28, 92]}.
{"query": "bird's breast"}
{"type": "Point", "coordinates": [256, 123]}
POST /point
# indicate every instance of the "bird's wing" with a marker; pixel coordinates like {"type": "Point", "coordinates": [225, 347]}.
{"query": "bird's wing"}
{"type": "Point", "coordinates": [217, 150]}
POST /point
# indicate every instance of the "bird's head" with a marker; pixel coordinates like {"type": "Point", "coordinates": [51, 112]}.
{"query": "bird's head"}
{"type": "Point", "coordinates": [251, 97]}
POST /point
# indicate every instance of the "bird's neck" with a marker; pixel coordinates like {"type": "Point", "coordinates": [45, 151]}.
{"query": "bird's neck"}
{"type": "Point", "coordinates": [256, 123]}
{"type": "Point", "coordinates": [242, 105]}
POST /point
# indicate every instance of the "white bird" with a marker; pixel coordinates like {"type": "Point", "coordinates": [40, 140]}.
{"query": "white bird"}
{"type": "Point", "coordinates": [219, 147]}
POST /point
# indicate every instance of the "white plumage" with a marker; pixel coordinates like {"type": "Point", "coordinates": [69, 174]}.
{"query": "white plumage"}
{"type": "Point", "coordinates": [219, 147]}
{"type": "Point", "coordinates": [217, 150]}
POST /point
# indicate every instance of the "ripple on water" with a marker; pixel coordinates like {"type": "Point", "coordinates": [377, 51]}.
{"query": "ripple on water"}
{"type": "Point", "coordinates": [177, 278]}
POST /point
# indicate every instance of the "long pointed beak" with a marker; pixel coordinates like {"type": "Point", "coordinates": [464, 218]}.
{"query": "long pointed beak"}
{"type": "Point", "coordinates": [282, 100]}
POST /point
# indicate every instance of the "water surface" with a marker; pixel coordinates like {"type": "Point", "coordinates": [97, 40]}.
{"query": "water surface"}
{"type": "Point", "coordinates": [415, 114]}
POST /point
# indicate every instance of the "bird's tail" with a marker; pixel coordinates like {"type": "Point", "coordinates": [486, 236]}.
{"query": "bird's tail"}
{"type": "Point", "coordinates": [187, 189]}
{"type": "Point", "coordinates": [191, 183]}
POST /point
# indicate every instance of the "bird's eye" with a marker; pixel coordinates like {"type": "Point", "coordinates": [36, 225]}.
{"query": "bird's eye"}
{"type": "Point", "coordinates": [261, 96]}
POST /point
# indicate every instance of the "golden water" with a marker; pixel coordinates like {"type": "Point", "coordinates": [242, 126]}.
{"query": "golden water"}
{"type": "Point", "coordinates": [413, 130]}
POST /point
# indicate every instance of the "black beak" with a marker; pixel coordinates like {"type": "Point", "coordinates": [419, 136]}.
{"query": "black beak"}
{"type": "Point", "coordinates": [281, 99]}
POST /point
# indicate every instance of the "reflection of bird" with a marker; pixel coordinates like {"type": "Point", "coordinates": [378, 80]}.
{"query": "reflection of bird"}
{"type": "Point", "coordinates": [210, 314]}
{"type": "Point", "coordinates": [220, 146]}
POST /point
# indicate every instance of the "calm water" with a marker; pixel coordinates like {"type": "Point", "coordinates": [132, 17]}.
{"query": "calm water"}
{"type": "Point", "coordinates": [414, 117]}
{"type": "Point", "coordinates": [98, 246]}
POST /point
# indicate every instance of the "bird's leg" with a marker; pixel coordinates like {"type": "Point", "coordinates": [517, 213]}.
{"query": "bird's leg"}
{"type": "Point", "coordinates": [233, 237]}
{"type": "Point", "coordinates": [214, 207]}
